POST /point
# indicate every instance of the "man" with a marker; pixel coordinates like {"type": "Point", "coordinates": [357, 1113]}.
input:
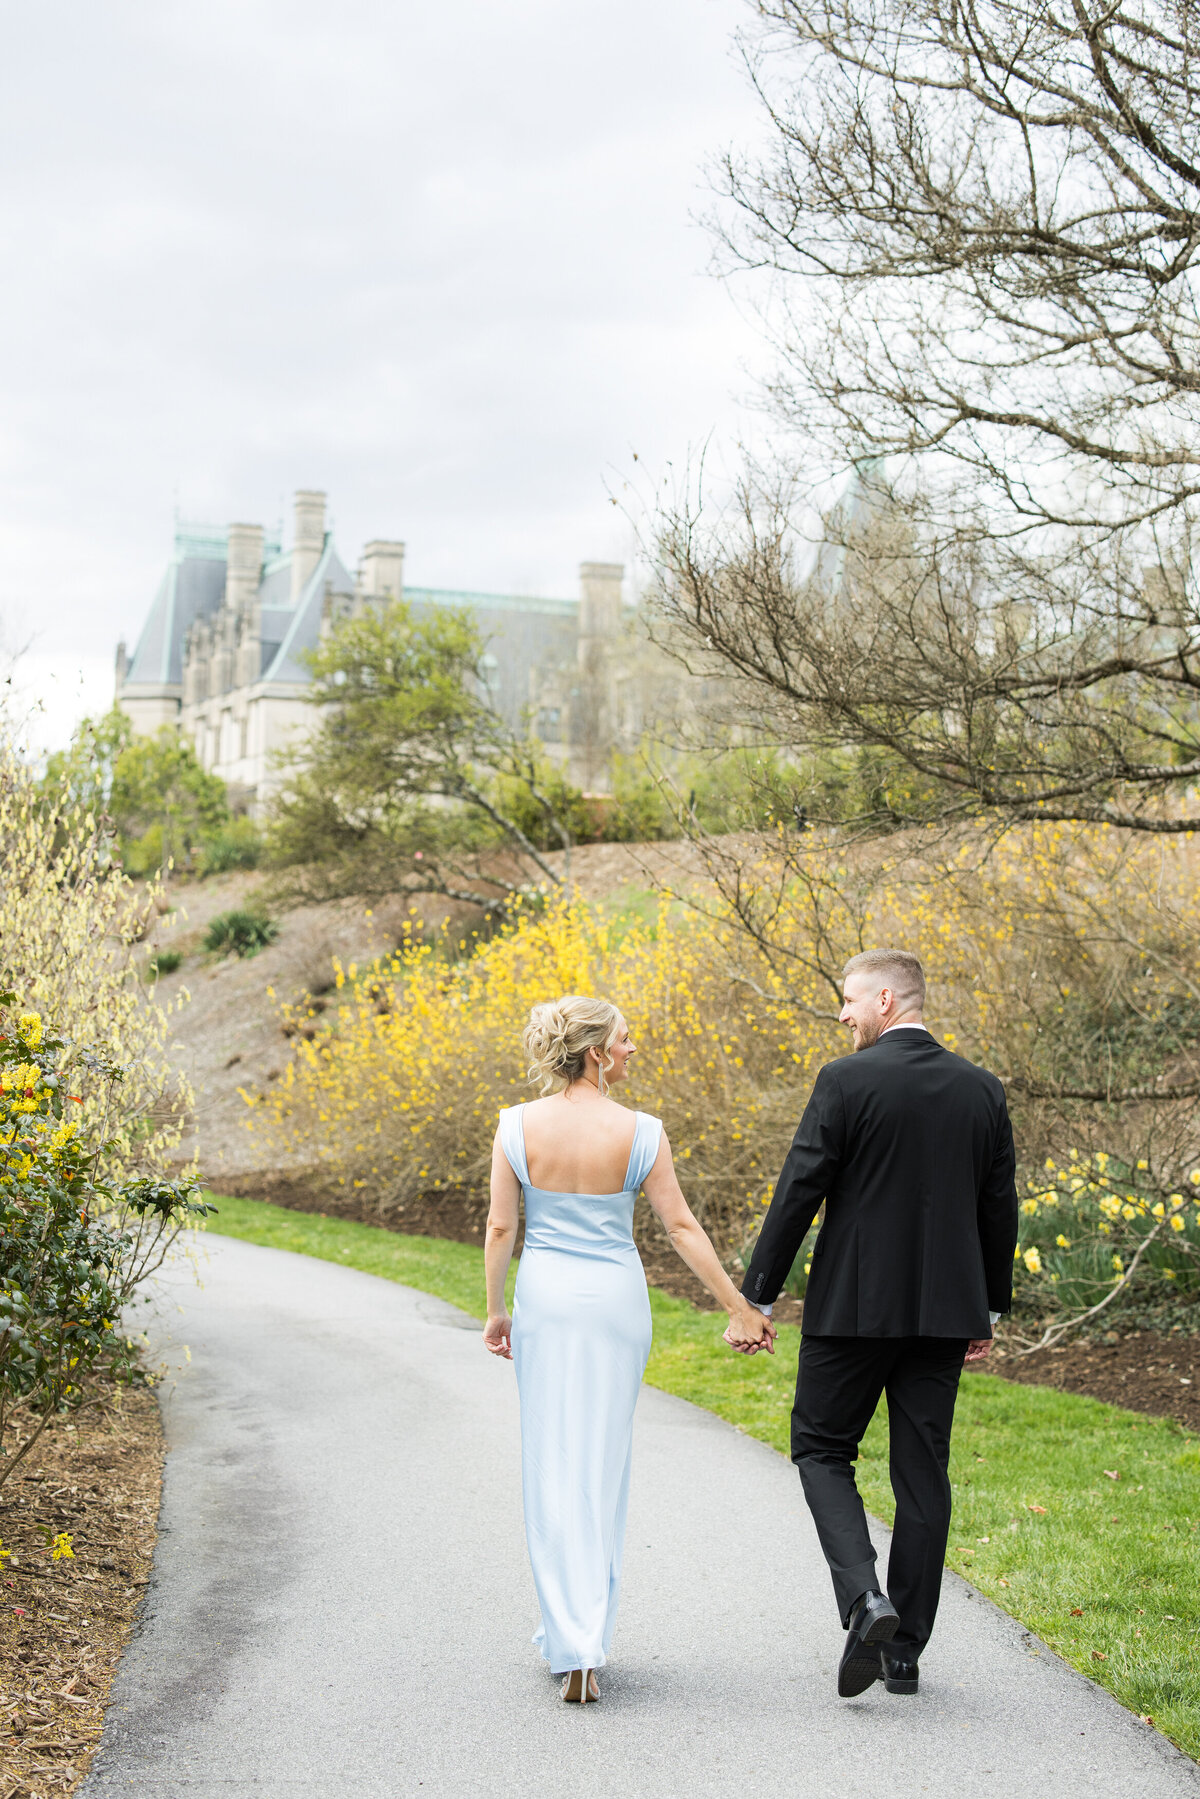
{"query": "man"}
{"type": "Point", "coordinates": [911, 1149]}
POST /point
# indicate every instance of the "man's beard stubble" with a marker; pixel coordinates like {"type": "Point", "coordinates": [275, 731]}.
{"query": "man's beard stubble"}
{"type": "Point", "coordinates": [867, 1034]}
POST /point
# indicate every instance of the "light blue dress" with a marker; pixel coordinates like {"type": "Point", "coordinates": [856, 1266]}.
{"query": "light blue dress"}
{"type": "Point", "coordinates": [581, 1335]}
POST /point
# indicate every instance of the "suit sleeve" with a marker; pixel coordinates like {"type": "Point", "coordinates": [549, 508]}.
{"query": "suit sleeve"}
{"type": "Point", "coordinates": [812, 1164]}
{"type": "Point", "coordinates": [997, 1216]}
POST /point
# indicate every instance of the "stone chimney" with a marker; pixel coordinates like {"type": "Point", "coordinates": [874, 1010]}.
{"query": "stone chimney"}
{"type": "Point", "coordinates": [243, 567]}
{"type": "Point", "coordinates": [308, 538]}
{"type": "Point", "coordinates": [382, 572]}
{"type": "Point", "coordinates": [600, 599]}
{"type": "Point", "coordinates": [122, 666]}
{"type": "Point", "coordinates": [593, 726]}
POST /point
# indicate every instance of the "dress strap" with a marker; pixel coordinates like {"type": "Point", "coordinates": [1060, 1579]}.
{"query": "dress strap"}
{"type": "Point", "coordinates": [647, 1135]}
{"type": "Point", "coordinates": [512, 1141]}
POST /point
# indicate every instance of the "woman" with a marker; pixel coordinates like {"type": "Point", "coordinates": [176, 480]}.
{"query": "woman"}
{"type": "Point", "coordinates": [580, 1330]}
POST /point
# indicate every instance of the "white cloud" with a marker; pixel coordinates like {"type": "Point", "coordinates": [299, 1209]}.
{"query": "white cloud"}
{"type": "Point", "coordinates": [439, 261]}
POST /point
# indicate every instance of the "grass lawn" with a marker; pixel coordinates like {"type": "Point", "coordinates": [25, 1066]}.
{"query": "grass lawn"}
{"type": "Point", "coordinates": [1106, 1570]}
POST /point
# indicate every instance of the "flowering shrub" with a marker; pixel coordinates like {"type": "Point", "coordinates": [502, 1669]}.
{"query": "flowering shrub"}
{"type": "Point", "coordinates": [1093, 1225]}
{"type": "Point", "coordinates": [1063, 958]}
{"type": "Point", "coordinates": [398, 1090]}
{"type": "Point", "coordinates": [70, 922]}
{"type": "Point", "coordinates": [75, 1242]}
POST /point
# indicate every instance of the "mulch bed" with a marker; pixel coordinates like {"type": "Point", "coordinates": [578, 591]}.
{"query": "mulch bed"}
{"type": "Point", "coordinates": [95, 1475]}
{"type": "Point", "coordinates": [1143, 1371]}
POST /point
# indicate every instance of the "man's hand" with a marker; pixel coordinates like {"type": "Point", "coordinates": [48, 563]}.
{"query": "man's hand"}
{"type": "Point", "coordinates": [977, 1350]}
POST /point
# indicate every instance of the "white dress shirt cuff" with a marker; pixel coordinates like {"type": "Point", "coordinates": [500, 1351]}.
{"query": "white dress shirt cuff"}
{"type": "Point", "coordinates": [765, 1310]}
{"type": "Point", "coordinates": [994, 1316]}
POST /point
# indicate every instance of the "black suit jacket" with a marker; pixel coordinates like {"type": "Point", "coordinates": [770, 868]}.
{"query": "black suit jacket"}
{"type": "Point", "coordinates": [911, 1148]}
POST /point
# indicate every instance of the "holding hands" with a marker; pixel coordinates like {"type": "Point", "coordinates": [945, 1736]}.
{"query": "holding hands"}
{"type": "Point", "coordinates": [750, 1330]}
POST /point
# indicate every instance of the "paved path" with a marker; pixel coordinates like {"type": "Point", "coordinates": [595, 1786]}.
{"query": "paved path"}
{"type": "Point", "coordinates": [341, 1606]}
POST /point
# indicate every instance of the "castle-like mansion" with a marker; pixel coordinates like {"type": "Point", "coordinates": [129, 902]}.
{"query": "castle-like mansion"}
{"type": "Point", "coordinates": [221, 654]}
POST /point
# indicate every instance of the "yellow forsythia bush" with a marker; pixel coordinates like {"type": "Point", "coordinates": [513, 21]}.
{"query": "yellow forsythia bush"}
{"type": "Point", "coordinates": [1061, 957]}
{"type": "Point", "coordinates": [400, 1093]}
{"type": "Point", "coordinates": [69, 922]}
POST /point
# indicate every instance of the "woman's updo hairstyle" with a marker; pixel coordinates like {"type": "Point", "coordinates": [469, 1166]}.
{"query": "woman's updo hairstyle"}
{"type": "Point", "coordinates": [559, 1035]}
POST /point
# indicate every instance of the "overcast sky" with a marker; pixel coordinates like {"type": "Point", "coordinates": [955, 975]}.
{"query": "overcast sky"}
{"type": "Point", "coordinates": [440, 261]}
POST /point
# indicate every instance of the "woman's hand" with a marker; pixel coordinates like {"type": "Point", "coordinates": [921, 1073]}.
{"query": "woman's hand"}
{"type": "Point", "coordinates": [497, 1336]}
{"type": "Point", "coordinates": [750, 1330]}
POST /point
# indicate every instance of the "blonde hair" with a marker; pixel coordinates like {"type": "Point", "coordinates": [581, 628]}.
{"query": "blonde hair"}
{"type": "Point", "coordinates": [898, 969]}
{"type": "Point", "coordinates": [559, 1035]}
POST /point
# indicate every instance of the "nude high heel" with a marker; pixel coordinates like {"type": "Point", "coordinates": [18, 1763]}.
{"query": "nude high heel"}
{"type": "Point", "coordinates": [580, 1687]}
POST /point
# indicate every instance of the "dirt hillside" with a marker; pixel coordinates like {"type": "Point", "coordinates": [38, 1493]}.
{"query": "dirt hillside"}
{"type": "Point", "coordinates": [225, 1011]}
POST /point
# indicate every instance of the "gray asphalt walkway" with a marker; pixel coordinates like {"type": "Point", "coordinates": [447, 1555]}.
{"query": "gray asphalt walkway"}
{"type": "Point", "coordinates": [341, 1605]}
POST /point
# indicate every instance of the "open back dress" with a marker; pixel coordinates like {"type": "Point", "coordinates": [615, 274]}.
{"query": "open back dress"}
{"type": "Point", "coordinates": [581, 1336]}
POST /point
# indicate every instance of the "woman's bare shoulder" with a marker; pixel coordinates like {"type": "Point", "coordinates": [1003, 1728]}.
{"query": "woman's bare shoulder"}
{"type": "Point", "coordinates": [557, 1105]}
{"type": "Point", "coordinates": [538, 1106]}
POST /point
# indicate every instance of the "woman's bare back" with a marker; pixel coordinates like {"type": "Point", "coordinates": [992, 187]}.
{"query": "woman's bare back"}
{"type": "Point", "coordinates": [579, 1144]}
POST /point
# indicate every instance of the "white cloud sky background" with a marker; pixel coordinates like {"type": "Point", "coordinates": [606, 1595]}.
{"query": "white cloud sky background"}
{"type": "Point", "coordinates": [438, 261]}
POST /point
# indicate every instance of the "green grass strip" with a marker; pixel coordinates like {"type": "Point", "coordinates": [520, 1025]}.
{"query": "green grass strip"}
{"type": "Point", "coordinates": [1107, 1571]}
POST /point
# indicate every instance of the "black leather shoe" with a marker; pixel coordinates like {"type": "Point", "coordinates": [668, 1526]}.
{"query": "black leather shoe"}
{"type": "Point", "coordinates": [873, 1621]}
{"type": "Point", "coordinates": [899, 1676]}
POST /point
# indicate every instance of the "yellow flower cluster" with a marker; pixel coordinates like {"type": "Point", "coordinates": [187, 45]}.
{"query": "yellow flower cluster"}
{"type": "Point", "coordinates": [399, 1094]}
{"type": "Point", "coordinates": [395, 1090]}
{"type": "Point", "coordinates": [21, 1089]}
{"type": "Point", "coordinates": [69, 924]}
{"type": "Point", "coordinates": [28, 1126]}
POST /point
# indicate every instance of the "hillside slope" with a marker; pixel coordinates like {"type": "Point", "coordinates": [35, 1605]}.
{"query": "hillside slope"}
{"type": "Point", "coordinates": [225, 1012]}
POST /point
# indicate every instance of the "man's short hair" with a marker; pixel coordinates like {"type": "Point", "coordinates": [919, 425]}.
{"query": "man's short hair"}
{"type": "Point", "coordinates": [898, 969]}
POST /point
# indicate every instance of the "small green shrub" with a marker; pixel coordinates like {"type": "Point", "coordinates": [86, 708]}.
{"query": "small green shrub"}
{"type": "Point", "coordinates": [240, 932]}
{"type": "Point", "coordinates": [164, 961]}
{"type": "Point", "coordinates": [237, 844]}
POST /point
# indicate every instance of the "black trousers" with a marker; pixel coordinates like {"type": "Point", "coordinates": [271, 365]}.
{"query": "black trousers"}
{"type": "Point", "coordinates": [838, 1386]}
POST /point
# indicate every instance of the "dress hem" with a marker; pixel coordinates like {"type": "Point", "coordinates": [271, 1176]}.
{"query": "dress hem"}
{"type": "Point", "coordinates": [567, 1667]}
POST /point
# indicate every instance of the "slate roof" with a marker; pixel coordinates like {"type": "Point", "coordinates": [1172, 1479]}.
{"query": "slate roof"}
{"type": "Point", "coordinates": [491, 602]}
{"type": "Point", "coordinates": [527, 629]}
{"type": "Point", "coordinates": [194, 586]}
{"type": "Point", "coordinates": [302, 625]}
{"type": "Point", "coordinates": [191, 588]}
{"type": "Point", "coordinates": [528, 632]}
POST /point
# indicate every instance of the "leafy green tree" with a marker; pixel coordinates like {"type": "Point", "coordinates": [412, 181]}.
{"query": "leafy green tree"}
{"type": "Point", "coordinates": [162, 803]}
{"type": "Point", "coordinates": [413, 782]}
